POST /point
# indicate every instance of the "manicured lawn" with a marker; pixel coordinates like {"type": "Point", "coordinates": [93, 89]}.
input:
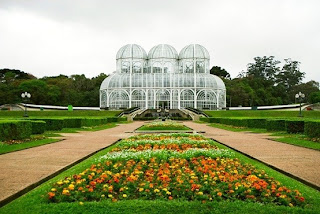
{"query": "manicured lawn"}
{"type": "Point", "coordinates": [45, 138]}
{"type": "Point", "coordinates": [36, 201]}
{"type": "Point", "coordinates": [19, 114]}
{"type": "Point", "coordinates": [5, 148]}
{"type": "Point", "coordinates": [264, 114]}
{"type": "Point", "coordinates": [293, 139]}
{"type": "Point", "coordinates": [161, 126]}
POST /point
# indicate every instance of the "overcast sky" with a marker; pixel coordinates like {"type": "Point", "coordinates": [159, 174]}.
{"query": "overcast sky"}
{"type": "Point", "coordinates": [52, 37]}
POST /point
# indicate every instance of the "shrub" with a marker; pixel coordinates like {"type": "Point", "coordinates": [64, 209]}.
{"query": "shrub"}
{"type": "Point", "coordinates": [91, 121]}
{"type": "Point", "coordinates": [144, 118]}
{"type": "Point", "coordinates": [294, 126]}
{"type": "Point", "coordinates": [312, 128]}
{"type": "Point", "coordinates": [38, 126]}
{"type": "Point", "coordinates": [15, 130]}
{"type": "Point", "coordinates": [258, 123]}
{"type": "Point", "coordinates": [276, 125]}
{"type": "Point", "coordinates": [72, 123]}
{"type": "Point", "coordinates": [52, 123]}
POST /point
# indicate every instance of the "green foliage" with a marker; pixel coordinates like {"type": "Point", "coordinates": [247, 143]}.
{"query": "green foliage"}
{"type": "Point", "coordinates": [15, 130]}
{"type": "Point", "coordinates": [38, 126]}
{"type": "Point", "coordinates": [312, 128]}
{"type": "Point", "coordinates": [220, 72]}
{"type": "Point", "coordinates": [52, 123]}
{"type": "Point", "coordinates": [264, 114]}
{"type": "Point", "coordinates": [314, 97]}
{"type": "Point", "coordinates": [295, 126]}
{"type": "Point", "coordinates": [72, 122]}
{"type": "Point", "coordinates": [276, 125]}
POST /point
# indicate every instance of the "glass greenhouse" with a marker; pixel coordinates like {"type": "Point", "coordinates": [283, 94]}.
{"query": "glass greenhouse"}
{"type": "Point", "coordinates": [162, 79]}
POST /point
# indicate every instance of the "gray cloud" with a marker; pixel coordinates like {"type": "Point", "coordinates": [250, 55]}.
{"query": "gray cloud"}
{"type": "Point", "coordinates": [52, 37]}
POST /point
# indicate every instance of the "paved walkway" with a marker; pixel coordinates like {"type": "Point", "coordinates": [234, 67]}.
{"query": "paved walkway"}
{"type": "Point", "coordinates": [22, 169]}
{"type": "Point", "coordinates": [300, 162]}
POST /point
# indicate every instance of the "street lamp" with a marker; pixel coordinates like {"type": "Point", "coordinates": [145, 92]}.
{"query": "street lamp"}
{"type": "Point", "coordinates": [300, 97]}
{"type": "Point", "coordinates": [25, 96]}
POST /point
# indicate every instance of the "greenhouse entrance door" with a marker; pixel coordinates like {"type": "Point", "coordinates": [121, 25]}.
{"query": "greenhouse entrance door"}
{"type": "Point", "coordinates": [163, 104]}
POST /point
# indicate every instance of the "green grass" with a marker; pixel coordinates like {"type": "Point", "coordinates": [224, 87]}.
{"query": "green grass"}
{"type": "Point", "coordinates": [293, 139]}
{"type": "Point", "coordinates": [34, 200]}
{"type": "Point", "coordinates": [61, 113]}
{"type": "Point", "coordinates": [5, 148]}
{"type": "Point", "coordinates": [265, 114]}
{"type": "Point", "coordinates": [163, 128]}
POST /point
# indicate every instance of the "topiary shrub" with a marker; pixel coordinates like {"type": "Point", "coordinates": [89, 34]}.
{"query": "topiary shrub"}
{"type": "Point", "coordinates": [15, 130]}
{"type": "Point", "coordinates": [294, 126]}
{"type": "Point", "coordinates": [312, 128]}
{"type": "Point", "coordinates": [38, 126]}
{"type": "Point", "coordinates": [92, 121]}
{"type": "Point", "coordinates": [52, 123]}
{"type": "Point", "coordinates": [276, 125]}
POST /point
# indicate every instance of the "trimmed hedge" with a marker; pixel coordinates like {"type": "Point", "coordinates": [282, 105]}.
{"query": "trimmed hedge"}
{"type": "Point", "coordinates": [38, 126]}
{"type": "Point", "coordinates": [276, 125]}
{"type": "Point", "coordinates": [15, 130]}
{"type": "Point", "coordinates": [259, 123]}
{"type": "Point", "coordinates": [72, 122]}
{"type": "Point", "coordinates": [144, 118]}
{"type": "Point", "coordinates": [312, 128]}
{"type": "Point", "coordinates": [294, 126]}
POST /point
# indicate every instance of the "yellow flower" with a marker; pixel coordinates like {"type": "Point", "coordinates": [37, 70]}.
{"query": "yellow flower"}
{"type": "Point", "coordinates": [59, 182]}
{"type": "Point", "coordinates": [110, 196]}
{"type": "Point", "coordinates": [200, 193]}
{"type": "Point", "coordinates": [71, 187]}
{"type": "Point", "coordinates": [165, 189]}
{"type": "Point", "coordinates": [53, 189]}
{"type": "Point", "coordinates": [81, 203]}
{"type": "Point", "coordinates": [168, 193]}
{"type": "Point", "coordinates": [65, 192]}
{"type": "Point", "coordinates": [141, 189]}
{"type": "Point", "coordinates": [124, 195]}
{"type": "Point", "coordinates": [102, 196]}
{"type": "Point", "coordinates": [156, 190]}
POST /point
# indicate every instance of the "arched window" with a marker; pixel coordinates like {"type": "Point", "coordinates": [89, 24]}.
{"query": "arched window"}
{"type": "Point", "coordinates": [157, 67]}
{"type": "Point", "coordinates": [187, 98]}
{"type": "Point", "coordinates": [206, 100]}
{"type": "Point", "coordinates": [138, 99]}
{"type": "Point", "coordinates": [189, 67]}
{"type": "Point", "coordinates": [137, 67]}
{"type": "Point", "coordinates": [119, 99]}
{"type": "Point", "coordinates": [200, 67]}
{"type": "Point", "coordinates": [125, 68]}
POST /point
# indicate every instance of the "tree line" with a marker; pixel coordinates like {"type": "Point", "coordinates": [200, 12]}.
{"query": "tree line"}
{"type": "Point", "coordinates": [263, 83]}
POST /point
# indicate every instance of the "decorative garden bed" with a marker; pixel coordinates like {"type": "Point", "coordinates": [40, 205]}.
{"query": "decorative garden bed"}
{"type": "Point", "coordinates": [186, 167]}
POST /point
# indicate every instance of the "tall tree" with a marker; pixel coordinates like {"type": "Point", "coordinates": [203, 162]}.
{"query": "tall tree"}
{"type": "Point", "coordinates": [264, 68]}
{"type": "Point", "coordinates": [220, 72]}
{"type": "Point", "coordinates": [290, 74]}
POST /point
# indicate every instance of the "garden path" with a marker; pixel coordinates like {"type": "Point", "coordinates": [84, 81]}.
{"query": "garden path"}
{"type": "Point", "coordinates": [23, 170]}
{"type": "Point", "coordinates": [301, 163]}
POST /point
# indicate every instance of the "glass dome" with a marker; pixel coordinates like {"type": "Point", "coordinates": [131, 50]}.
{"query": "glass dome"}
{"type": "Point", "coordinates": [194, 51]}
{"type": "Point", "coordinates": [131, 51]}
{"type": "Point", "coordinates": [163, 51]}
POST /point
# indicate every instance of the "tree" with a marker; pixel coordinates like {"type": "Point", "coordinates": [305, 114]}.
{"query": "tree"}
{"type": "Point", "coordinates": [264, 68]}
{"type": "Point", "coordinates": [314, 97]}
{"type": "Point", "coordinates": [220, 72]}
{"type": "Point", "coordinates": [305, 88]}
{"type": "Point", "coordinates": [290, 75]}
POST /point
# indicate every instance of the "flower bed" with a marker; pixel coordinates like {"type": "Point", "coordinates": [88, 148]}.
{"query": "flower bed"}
{"type": "Point", "coordinates": [167, 125]}
{"type": "Point", "coordinates": [205, 173]}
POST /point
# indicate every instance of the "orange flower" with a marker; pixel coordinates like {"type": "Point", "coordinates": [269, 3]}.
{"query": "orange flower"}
{"type": "Point", "coordinates": [219, 194]}
{"type": "Point", "coordinates": [170, 197]}
{"type": "Point", "coordinates": [51, 195]}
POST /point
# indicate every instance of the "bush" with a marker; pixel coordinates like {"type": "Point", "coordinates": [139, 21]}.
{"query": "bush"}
{"type": "Point", "coordinates": [72, 123]}
{"type": "Point", "coordinates": [15, 130]}
{"type": "Point", "coordinates": [52, 123]}
{"type": "Point", "coordinates": [276, 125]}
{"type": "Point", "coordinates": [91, 122]}
{"type": "Point", "coordinates": [312, 128]}
{"type": "Point", "coordinates": [258, 123]}
{"type": "Point", "coordinates": [294, 126]}
{"type": "Point", "coordinates": [38, 126]}
{"type": "Point", "coordinates": [179, 118]}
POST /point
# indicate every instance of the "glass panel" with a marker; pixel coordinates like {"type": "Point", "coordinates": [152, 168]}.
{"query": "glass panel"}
{"type": "Point", "coordinates": [125, 68]}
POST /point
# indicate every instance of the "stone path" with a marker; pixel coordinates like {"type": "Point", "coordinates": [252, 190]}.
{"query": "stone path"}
{"type": "Point", "coordinates": [22, 169]}
{"type": "Point", "coordinates": [299, 162]}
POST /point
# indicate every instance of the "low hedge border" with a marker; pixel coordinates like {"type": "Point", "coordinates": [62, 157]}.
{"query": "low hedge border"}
{"type": "Point", "coordinates": [309, 128]}
{"type": "Point", "coordinates": [15, 130]}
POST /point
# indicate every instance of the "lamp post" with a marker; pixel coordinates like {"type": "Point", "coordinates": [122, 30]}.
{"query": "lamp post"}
{"type": "Point", "coordinates": [300, 97]}
{"type": "Point", "coordinates": [25, 96]}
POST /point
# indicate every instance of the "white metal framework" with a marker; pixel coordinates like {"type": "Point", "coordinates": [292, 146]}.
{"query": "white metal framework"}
{"type": "Point", "coordinates": [162, 79]}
